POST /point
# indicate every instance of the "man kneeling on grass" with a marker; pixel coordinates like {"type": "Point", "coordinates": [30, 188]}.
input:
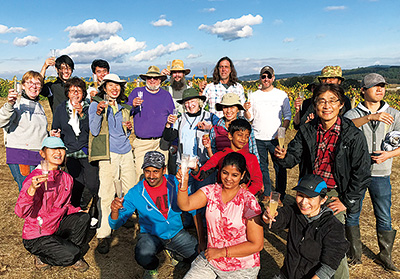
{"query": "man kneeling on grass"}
{"type": "Point", "coordinates": [155, 199]}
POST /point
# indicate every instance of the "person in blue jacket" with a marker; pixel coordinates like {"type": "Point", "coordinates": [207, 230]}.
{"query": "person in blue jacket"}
{"type": "Point", "coordinates": [155, 199]}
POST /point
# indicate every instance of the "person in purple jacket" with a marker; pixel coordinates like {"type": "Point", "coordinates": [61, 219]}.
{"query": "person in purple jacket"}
{"type": "Point", "coordinates": [151, 107]}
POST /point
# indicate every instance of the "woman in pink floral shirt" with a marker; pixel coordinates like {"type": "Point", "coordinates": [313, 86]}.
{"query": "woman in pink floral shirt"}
{"type": "Point", "coordinates": [235, 233]}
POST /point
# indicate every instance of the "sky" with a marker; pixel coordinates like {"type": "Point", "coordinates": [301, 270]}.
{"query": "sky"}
{"type": "Point", "coordinates": [292, 36]}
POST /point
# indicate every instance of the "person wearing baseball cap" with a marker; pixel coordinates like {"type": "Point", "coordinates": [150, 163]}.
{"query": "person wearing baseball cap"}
{"type": "Point", "coordinates": [312, 225]}
{"type": "Point", "coordinates": [375, 118]}
{"type": "Point", "coordinates": [155, 199]}
{"type": "Point", "coordinates": [265, 109]}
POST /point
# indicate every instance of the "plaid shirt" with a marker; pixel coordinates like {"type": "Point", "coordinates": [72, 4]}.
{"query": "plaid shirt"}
{"type": "Point", "coordinates": [252, 140]}
{"type": "Point", "coordinates": [214, 93]}
{"type": "Point", "coordinates": [326, 141]}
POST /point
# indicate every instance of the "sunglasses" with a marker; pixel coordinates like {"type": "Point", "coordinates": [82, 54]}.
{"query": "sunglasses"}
{"type": "Point", "coordinates": [269, 76]}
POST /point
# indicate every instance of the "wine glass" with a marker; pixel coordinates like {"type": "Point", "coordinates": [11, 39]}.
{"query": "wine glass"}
{"type": "Point", "coordinates": [281, 136]}
{"type": "Point", "coordinates": [106, 99]}
{"type": "Point", "coordinates": [184, 165]}
{"type": "Point", "coordinates": [301, 96]}
{"type": "Point", "coordinates": [140, 95]}
{"type": "Point", "coordinates": [119, 191]}
{"type": "Point", "coordinates": [17, 88]}
{"type": "Point", "coordinates": [175, 112]}
{"type": "Point", "coordinates": [44, 164]}
{"type": "Point", "coordinates": [273, 204]}
{"type": "Point", "coordinates": [53, 52]}
{"type": "Point", "coordinates": [125, 119]}
{"type": "Point", "coordinates": [169, 65]}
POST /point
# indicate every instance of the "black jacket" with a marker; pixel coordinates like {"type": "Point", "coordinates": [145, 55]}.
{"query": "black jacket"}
{"type": "Point", "coordinates": [351, 163]}
{"type": "Point", "coordinates": [71, 141]}
{"type": "Point", "coordinates": [57, 88]}
{"type": "Point", "coordinates": [309, 245]}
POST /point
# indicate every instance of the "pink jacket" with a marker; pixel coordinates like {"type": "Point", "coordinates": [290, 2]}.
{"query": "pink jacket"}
{"type": "Point", "coordinates": [49, 206]}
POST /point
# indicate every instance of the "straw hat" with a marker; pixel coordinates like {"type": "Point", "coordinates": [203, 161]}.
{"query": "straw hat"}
{"type": "Point", "coordinates": [153, 71]}
{"type": "Point", "coordinates": [177, 66]}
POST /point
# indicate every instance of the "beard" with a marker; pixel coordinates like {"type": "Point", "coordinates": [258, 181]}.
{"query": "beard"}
{"type": "Point", "coordinates": [178, 85]}
{"type": "Point", "coordinates": [152, 87]}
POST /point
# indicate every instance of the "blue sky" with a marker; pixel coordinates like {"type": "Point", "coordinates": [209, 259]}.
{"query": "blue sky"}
{"type": "Point", "coordinates": [292, 36]}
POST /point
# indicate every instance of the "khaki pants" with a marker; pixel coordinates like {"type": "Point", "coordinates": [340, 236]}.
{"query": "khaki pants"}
{"type": "Point", "coordinates": [141, 147]}
{"type": "Point", "coordinates": [120, 166]}
{"type": "Point", "coordinates": [342, 272]}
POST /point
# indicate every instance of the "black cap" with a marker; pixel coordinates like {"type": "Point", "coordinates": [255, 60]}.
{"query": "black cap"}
{"type": "Point", "coordinates": [312, 185]}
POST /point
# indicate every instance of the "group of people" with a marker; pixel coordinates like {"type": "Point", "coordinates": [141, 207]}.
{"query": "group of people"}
{"type": "Point", "coordinates": [95, 178]}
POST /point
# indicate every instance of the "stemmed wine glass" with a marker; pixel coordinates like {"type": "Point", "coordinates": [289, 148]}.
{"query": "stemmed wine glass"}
{"type": "Point", "coordinates": [140, 95]}
{"type": "Point", "coordinates": [44, 164]}
{"type": "Point", "coordinates": [119, 191]}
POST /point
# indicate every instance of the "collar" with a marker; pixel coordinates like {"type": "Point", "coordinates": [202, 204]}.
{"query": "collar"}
{"type": "Point", "coordinates": [194, 114]}
{"type": "Point", "coordinates": [335, 127]}
{"type": "Point", "coordinates": [25, 96]}
{"type": "Point", "coordinates": [383, 107]}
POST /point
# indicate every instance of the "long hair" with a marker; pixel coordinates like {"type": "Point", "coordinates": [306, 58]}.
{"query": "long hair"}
{"type": "Point", "coordinates": [239, 162]}
{"type": "Point", "coordinates": [121, 97]}
{"type": "Point", "coordinates": [232, 76]}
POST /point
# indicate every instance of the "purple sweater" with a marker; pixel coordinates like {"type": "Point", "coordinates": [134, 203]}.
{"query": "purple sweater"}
{"type": "Point", "coordinates": [149, 121]}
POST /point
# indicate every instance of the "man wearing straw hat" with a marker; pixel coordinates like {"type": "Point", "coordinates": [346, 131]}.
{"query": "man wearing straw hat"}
{"type": "Point", "coordinates": [151, 107]}
{"type": "Point", "coordinates": [178, 82]}
{"type": "Point", "coordinates": [266, 108]}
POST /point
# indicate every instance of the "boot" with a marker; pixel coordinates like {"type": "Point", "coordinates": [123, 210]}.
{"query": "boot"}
{"type": "Point", "coordinates": [385, 242]}
{"type": "Point", "coordinates": [355, 251]}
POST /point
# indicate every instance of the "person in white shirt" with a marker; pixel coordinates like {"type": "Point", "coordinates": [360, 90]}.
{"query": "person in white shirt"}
{"type": "Point", "coordinates": [266, 109]}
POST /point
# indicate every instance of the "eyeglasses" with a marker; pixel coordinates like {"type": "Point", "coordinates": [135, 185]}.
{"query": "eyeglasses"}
{"type": "Point", "coordinates": [65, 69]}
{"type": "Point", "coordinates": [32, 84]}
{"type": "Point", "coordinates": [155, 78]}
{"type": "Point", "coordinates": [269, 76]}
{"type": "Point", "coordinates": [75, 91]}
{"type": "Point", "coordinates": [329, 102]}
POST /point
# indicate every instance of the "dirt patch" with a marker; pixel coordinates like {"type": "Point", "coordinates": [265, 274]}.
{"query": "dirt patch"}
{"type": "Point", "coordinates": [16, 262]}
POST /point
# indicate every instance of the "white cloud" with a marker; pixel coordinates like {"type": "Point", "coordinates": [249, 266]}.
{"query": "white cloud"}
{"type": "Point", "coordinates": [277, 22]}
{"type": "Point", "coordinates": [193, 56]}
{"type": "Point", "coordinates": [159, 51]}
{"type": "Point", "coordinates": [234, 28]}
{"type": "Point", "coordinates": [4, 29]}
{"type": "Point", "coordinates": [209, 10]}
{"type": "Point", "coordinates": [288, 40]}
{"type": "Point", "coordinates": [112, 49]}
{"type": "Point", "coordinates": [92, 29]}
{"type": "Point", "coordinates": [23, 42]}
{"type": "Point", "coordinates": [161, 22]}
{"type": "Point", "coordinates": [335, 8]}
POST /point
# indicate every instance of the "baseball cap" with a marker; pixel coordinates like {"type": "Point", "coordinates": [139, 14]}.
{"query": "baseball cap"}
{"type": "Point", "coordinates": [53, 142]}
{"type": "Point", "coordinates": [312, 185]}
{"type": "Point", "coordinates": [371, 80]}
{"type": "Point", "coordinates": [153, 159]}
{"type": "Point", "coordinates": [266, 69]}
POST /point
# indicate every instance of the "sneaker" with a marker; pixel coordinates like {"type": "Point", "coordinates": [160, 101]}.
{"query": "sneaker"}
{"type": "Point", "coordinates": [40, 265]}
{"type": "Point", "coordinates": [150, 274]}
{"type": "Point", "coordinates": [80, 266]}
{"type": "Point", "coordinates": [173, 261]}
{"type": "Point", "coordinates": [104, 245]}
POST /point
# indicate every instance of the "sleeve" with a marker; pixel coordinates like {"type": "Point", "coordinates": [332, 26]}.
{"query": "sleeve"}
{"type": "Point", "coordinates": [46, 92]}
{"type": "Point", "coordinates": [283, 218]}
{"type": "Point", "coordinates": [286, 111]}
{"type": "Point", "coordinates": [294, 152]}
{"type": "Point", "coordinates": [351, 114]}
{"type": "Point", "coordinates": [214, 119]}
{"type": "Point", "coordinates": [6, 112]}
{"type": "Point", "coordinates": [240, 92]}
{"type": "Point", "coordinates": [25, 202]}
{"type": "Point", "coordinates": [360, 161]}
{"type": "Point", "coordinates": [56, 124]}
{"type": "Point", "coordinates": [123, 215]}
{"type": "Point", "coordinates": [209, 167]}
{"type": "Point", "coordinates": [169, 134]}
{"type": "Point", "coordinates": [253, 145]}
{"type": "Point", "coordinates": [256, 180]}
{"type": "Point", "coordinates": [251, 207]}
{"type": "Point", "coordinates": [94, 119]}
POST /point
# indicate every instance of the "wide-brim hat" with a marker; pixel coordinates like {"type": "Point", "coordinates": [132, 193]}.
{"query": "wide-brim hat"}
{"type": "Point", "coordinates": [314, 83]}
{"type": "Point", "coordinates": [153, 71]}
{"type": "Point", "coordinates": [331, 72]}
{"type": "Point", "coordinates": [189, 94]}
{"type": "Point", "coordinates": [178, 66]}
{"type": "Point", "coordinates": [312, 185]}
{"type": "Point", "coordinates": [114, 78]}
{"type": "Point", "coordinates": [229, 100]}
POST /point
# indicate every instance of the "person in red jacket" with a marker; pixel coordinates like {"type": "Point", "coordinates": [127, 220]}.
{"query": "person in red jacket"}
{"type": "Point", "coordinates": [239, 133]}
{"type": "Point", "coordinates": [54, 230]}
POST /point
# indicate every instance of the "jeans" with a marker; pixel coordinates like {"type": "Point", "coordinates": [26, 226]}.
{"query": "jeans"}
{"type": "Point", "coordinates": [16, 173]}
{"type": "Point", "coordinates": [380, 191]}
{"type": "Point", "coordinates": [264, 147]}
{"type": "Point", "coordinates": [183, 246]}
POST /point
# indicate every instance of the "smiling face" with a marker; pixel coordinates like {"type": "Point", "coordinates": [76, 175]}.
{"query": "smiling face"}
{"type": "Point", "coordinates": [230, 113]}
{"type": "Point", "coordinates": [230, 177]}
{"type": "Point", "coordinates": [153, 83]}
{"type": "Point", "coordinates": [154, 176]}
{"type": "Point", "coordinates": [224, 70]}
{"type": "Point", "coordinates": [32, 87]}
{"type": "Point", "coordinates": [112, 89]}
{"type": "Point", "coordinates": [328, 107]}
{"type": "Point", "coordinates": [309, 207]}
{"type": "Point", "coordinates": [64, 72]}
{"type": "Point", "coordinates": [55, 156]}
{"type": "Point", "coordinates": [100, 73]}
{"type": "Point", "coordinates": [75, 94]}
{"type": "Point", "coordinates": [267, 80]}
{"type": "Point", "coordinates": [239, 139]}
{"type": "Point", "coordinates": [192, 105]}
{"type": "Point", "coordinates": [375, 93]}
{"type": "Point", "coordinates": [177, 75]}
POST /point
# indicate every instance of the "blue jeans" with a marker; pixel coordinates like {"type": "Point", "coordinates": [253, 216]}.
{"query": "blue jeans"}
{"type": "Point", "coordinates": [183, 246]}
{"type": "Point", "coordinates": [380, 191]}
{"type": "Point", "coordinates": [264, 147]}
{"type": "Point", "coordinates": [16, 173]}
